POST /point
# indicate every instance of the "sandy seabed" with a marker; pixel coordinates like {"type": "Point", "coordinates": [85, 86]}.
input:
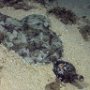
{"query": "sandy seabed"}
{"type": "Point", "coordinates": [17, 75]}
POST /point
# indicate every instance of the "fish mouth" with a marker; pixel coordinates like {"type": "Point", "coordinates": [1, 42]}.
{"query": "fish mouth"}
{"type": "Point", "coordinates": [80, 78]}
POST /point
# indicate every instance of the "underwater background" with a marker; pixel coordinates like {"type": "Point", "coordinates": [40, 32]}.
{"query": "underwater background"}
{"type": "Point", "coordinates": [16, 74]}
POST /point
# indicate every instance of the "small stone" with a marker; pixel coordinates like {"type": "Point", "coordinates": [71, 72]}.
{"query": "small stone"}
{"type": "Point", "coordinates": [2, 29]}
{"type": "Point", "coordinates": [15, 33]}
{"type": "Point", "coordinates": [10, 36]}
{"type": "Point", "coordinates": [23, 52]}
{"type": "Point", "coordinates": [21, 38]}
{"type": "Point", "coordinates": [11, 23]}
{"type": "Point", "coordinates": [8, 44]}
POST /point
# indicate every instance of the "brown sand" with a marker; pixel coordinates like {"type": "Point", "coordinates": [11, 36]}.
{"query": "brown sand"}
{"type": "Point", "coordinates": [16, 75]}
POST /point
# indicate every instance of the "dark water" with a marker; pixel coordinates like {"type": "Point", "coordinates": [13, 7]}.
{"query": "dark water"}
{"type": "Point", "coordinates": [80, 7]}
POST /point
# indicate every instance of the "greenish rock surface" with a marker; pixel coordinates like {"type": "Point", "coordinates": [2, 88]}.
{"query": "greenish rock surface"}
{"type": "Point", "coordinates": [31, 38]}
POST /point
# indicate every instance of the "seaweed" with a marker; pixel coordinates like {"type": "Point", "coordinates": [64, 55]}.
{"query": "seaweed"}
{"type": "Point", "coordinates": [66, 16]}
{"type": "Point", "coordinates": [17, 4]}
{"type": "Point", "coordinates": [2, 36]}
{"type": "Point", "coordinates": [40, 1]}
{"type": "Point", "coordinates": [44, 2]}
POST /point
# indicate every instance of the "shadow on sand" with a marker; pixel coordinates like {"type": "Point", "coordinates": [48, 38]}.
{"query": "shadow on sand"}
{"type": "Point", "coordinates": [53, 86]}
{"type": "Point", "coordinates": [80, 85]}
{"type": "Point", "coordinates": [56, 86]}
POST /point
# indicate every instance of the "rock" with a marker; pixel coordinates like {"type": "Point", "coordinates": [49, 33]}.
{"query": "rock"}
{"type": "Point", "coordinates": [2, 23]}
{"type": "Point", "coordinates": [2, 29]}
{"type": "Point", "coordinates": [15, 33]}
{"type": "Point", "coordinates": [32, 39]}
{"type": "Point", "coordinates": [28, 60]}
{"type": "Point", "coordinates": [9, 36]}
{"type": "Point", "coordinates": [3, 17]}
{"type": "Point", "coordinates": [20, 39]}
{"type": "Point", "coordinates": [23, 52]}
{"type": "Point", "coordinates": [12, 24]}
{"type": "Point", "coordinates": [9, 45]}
{"type": "Point", "coordinates": [36, 22]}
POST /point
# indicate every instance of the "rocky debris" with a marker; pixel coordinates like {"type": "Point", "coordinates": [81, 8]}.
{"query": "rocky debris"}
{"type": "Point", "coordinates": [17, 4]}
{"type": "Point", "coordinates": [31, 38]}
{"type": "Point", "coordinates": [85, 32]}
{"type": "Point", "coordinates": [66, 16]}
